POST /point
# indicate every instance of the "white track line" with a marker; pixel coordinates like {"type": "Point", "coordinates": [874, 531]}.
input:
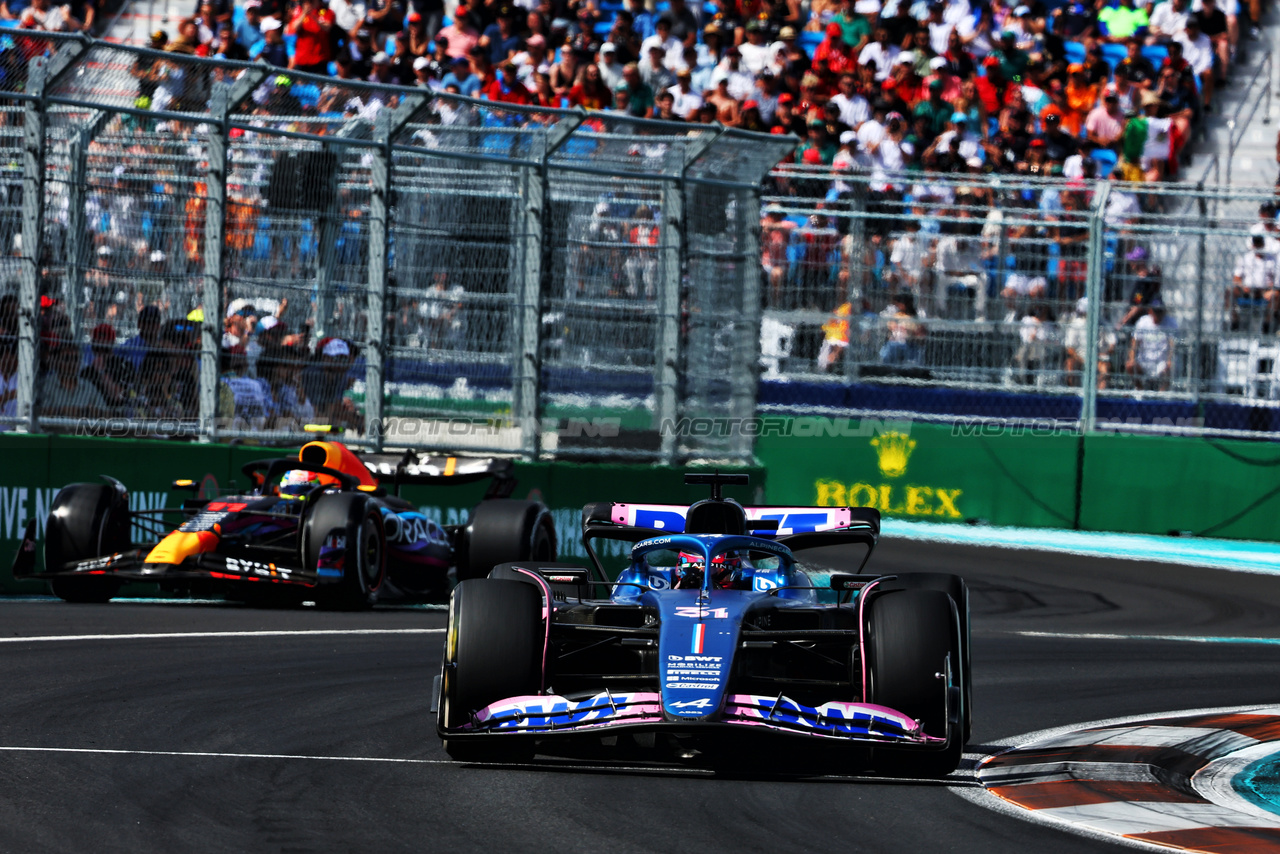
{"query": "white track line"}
{"type": "Point", "coordinates": [195, 754]}
{"type": "Point", "coordinates": [263, 634]}
{"type": "Point", "coordinates": [983, 798]}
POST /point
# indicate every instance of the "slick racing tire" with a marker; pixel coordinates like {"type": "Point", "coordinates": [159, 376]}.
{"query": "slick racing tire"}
{"type": "Point", "coordinates": [504, 530]}
{"type": "Point", "coordinates": [953, 586]}
{"type": "Point", "coordinates": [493, 651]}
{"type": "Point", "coordinates": [912, 634]}
{"type": "Point", "coordinates": [365, 560]}
{"type": "Point", "coordinates": [86, 520]}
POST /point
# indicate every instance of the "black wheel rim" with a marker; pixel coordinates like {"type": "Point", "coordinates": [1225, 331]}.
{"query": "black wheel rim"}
{"type": "Point", "coordinates": [372, 556]}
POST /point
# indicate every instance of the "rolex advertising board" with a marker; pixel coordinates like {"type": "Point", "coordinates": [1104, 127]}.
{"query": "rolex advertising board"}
{"type": "Point", "coordinates": [923, 472]}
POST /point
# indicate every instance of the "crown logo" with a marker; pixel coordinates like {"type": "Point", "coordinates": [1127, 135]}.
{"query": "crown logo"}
{"type": "Point", "coordinates": [893, 449]}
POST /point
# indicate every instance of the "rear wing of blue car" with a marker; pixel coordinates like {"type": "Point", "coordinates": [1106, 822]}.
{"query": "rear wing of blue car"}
{"type": "Point", "coordinates": [797, 528]}
{"type": "Point", "coordinates": [417, 468]}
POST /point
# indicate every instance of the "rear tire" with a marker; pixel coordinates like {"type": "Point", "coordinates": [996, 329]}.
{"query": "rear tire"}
{"type": "Point", "coordinates": [505, 530]}
{"type": "Point", "coordinates": [912, 634]}
{"type": "Point", "coordinates": [364, 565]}
{"type": "Point", "coordinates": [87, 520]}
{"type": "Point", "coordinates": [493, 652]}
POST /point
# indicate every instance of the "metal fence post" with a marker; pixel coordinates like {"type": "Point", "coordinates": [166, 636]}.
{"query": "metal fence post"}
{"type": "Point", "coordinates": [1093, 288]}
{"type": "Point", "coordinates": [1197, 358]}
{"type": "Point", "coordinates": [375, 350]}
{"type": "Point", "coordinates": [214, 241]}
{"type": "Point", "coordinates": [667, 356]}
{"type": "Point", "coordinates": [745, 371]}
{"type": "Point", "coordinates": [77, 234]}
{"type": "Point", "coordinates": [527, 317]}
{"type": "Point", "coordinates": [34, 120]}
{"type": "Point", "coordinates": [856, 263]}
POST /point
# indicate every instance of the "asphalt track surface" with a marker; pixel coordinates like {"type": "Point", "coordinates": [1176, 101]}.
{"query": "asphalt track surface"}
{"type": "Point", "coordinates": [293, 727]}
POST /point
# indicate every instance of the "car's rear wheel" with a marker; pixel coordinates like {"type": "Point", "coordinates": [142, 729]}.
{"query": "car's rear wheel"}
{"type": "Point", "coordinates": [504, 530]}
{"type": "Point", "coordinates": [358, 522]}
{"type": "Point", "coordinates": [493, 652]}
{"type": "Point", "coordinates": [912, 640]}
{"type": "Point", "coordinates": [86, 520]}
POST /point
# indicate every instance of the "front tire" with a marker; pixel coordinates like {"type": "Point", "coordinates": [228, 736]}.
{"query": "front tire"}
{"type": "Point", "coordinates": [364, 564]}
{"type": "Point", "coordinates": [955, 587]}
{"type": "Point", "coordinates": [493, 652]}
{"type": "Point", "coordinates": [87, 520]}
{"type": "Point", "coordinates": [912, 640]}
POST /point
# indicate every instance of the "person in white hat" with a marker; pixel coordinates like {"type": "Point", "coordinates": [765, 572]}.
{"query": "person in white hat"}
{"type": "Point", "coordinates": [610, 68]}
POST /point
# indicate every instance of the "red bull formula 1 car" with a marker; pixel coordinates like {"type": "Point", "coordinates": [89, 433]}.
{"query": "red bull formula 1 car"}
{"type": "Point", "coordinates": [319, 525]}
{"type": "Point", "coordinates": [719, 636]}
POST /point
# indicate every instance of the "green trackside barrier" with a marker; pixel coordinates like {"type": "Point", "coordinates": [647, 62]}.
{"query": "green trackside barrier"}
{"type": "Point", "coordinates": [36, 467]}
{"type": "Point", "coordinates": [1162, 484]}
{"type": "Point", "coordinates": [1102, 482]}
{"type": "Point", "coordinates": [923, 472]}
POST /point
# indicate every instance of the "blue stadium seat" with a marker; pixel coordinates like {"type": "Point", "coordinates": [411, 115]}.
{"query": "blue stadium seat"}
{"type": "Point", "coordinates": [613, 6]}
{"type": "Point", "coordinates": [809, 40]}
{"type": "Point", "coordinates": [1106, 160]}
{"type": "Point", "coordinates": [1156, 53]}
{"type": "Point", "coordinates": [1114, 54]}
{"type": "Point", "coordinates": [1074, 50]}
{"type": "Point", "coordinates": [602, 29]}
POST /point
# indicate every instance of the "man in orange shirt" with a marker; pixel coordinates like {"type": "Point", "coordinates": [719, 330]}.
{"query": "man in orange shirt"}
{"type": "Point", "coordinates": [1081, 98]}
{"type": "Point", "coordinates": [311, 23]}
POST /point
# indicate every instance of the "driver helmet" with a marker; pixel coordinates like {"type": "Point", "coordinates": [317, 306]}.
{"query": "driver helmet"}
{"type": "Point", "coordinates": [691, 567]}
{"type": "Point", "coordinates": [298, 482]}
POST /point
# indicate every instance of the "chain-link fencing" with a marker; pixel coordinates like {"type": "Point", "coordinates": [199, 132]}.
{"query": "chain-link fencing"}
{"type": "Point", "coordinates": [1022, 303]}
{"type": "Point", "coordinates": [234, 251]}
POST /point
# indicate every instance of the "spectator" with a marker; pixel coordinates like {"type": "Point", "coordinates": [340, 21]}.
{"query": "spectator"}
{"type": "Point", "coordinates": [1255, 286]}
{"type": "Point", "coordinates": [272, 49]}
{"type": "Point", "coordinates": [672, 49]}
{"type": "Point", "coordinates": [1150, 360]}
{"type": "Point", "coordinates": [249, 30]}
{"type": "Point", "coordinates": [244, 403]}
{"type": "Point", "coordinates": [461, 34]}
{"type": "Point", "coordinates": [326, 380]}
{"type": "Point", "coordinates": [1168, 21]}
{"type": "Point", "coordinates": [775, 236]}
{"type": "Point", "coordinates": [609, 67]}
{"type": "Point", "coordinates": [461, 78]}
{"type": "Point", "coordinates": [639, 96]}
{"type": "Point", "coordinates": [500, 38]}
{"type": "Point", "coordinates": [653, 72]}
{"type": "Point", "coordinates": [227, 46]}
{"type": "Point", "coordinates": [136, 348]}
{"type": "Point", "coordinates": [1122, 22]}
{"type": "Point", "coordinates": [64, 393]}
{"type": "Point", "coordinates": [905, 333]}
{"type": "Point", "coordinates": [685, 101]}
{"type": "Point", "coordinates": [109, 373]}
{"type": "Point", "coordinates": [591, 93]}
{"type": "Point", "coordinates": [1036, 336]}
{"type": "Point", "coordinates": [1198, 51]}
{"type": "Point", "coordinates": [57, 19]}
{"type": "Point", "coordinates": [311, 25]}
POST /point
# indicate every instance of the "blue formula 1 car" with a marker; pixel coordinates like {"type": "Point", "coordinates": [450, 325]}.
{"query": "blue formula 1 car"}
{"type": "Point", "coordinates": [726, 631]}
{"type": "Point", "coordinates": [320, 525]}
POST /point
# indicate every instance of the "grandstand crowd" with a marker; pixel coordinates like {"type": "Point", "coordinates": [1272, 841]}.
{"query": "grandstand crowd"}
{"type": "Point", "coordinates": [882, 89]}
